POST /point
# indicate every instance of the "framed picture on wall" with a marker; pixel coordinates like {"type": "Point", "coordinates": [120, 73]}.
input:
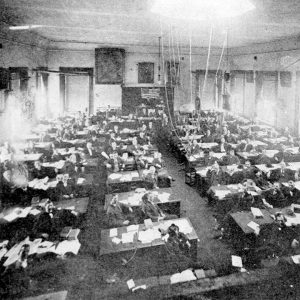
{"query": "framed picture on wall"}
{"type": "Point", "coordinates": [109, 65]}
{"type": "Point", "coordinates": [146, 72]}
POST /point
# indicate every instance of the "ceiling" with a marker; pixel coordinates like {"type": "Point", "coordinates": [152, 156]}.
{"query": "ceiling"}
{"type": "Point", "coordinates": [131, 23]}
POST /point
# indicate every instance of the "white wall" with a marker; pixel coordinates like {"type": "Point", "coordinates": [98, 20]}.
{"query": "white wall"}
{"type": "Point", "coordinates": [274, 56]}
{"type": "Point", "coordinates": [25, 51]}
{"type": "Point", "coordinates": [102, 96]}
{"type": "Point", "coordinates": [107, 94]}
{"type": "Point", "coordinates": [270, 57]}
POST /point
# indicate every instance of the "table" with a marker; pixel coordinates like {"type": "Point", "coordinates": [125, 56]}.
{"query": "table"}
{"type": "Point", "coordinates": [91, 162]}
{"type": "Point", "coordinates": [165, 199]}
{"type": "Point", "coordinates": [252, 155]}
{"type": "Point", "coordinates": [57, 165]}
{"type": "Point", "coordinates": [27, 157]}
{"type": "Point", "coordinates": [82, 185]}
{"type": "Point", "coordinates": [256, 126]}
{"type": "Point", "coordinates": [107, 246]}
{"type": "Point", "coordinates": [258, 143]}
{"type": "Point", "coordinates": [192, 137]}
{"type": "Point", "coordinates": [31, 137]}
{"type": "Point", "coordinates": [77, 142]}
{"type": "Point", "coordinates": [189, 127]}
{"type": "Point", "coordinates": [265, 169]}
{"type": "Point", "coordinates": [277, 140]}
{"type": "Point", "coordinates": [80, 205]}
{"type": "Point", "coordinates": [293, 166]}
{"type": "Point", "coordinates": [124, 181]}
{"type": "Point", "coordinates": [43, 145]}
{"type": "Point", "coordinates": [243, 218]}
{"type": "Point", "coordinates": [195, 157]}
{"type": "Point", "coordinates": [223, 196]}
{"type": "Point", "coordinates": [64, 151]}
{"type": "Point", "coordinates": [221, 191]}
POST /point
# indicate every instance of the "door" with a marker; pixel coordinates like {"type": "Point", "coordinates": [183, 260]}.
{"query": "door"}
{"type": "Point", "coordinates": [77, 93]}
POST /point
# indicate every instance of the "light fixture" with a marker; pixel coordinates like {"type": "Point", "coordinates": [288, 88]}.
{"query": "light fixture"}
{"type": "Point", "coordinates": [25, 27]}
{"type": "Point", "coordinates": [201, 9]}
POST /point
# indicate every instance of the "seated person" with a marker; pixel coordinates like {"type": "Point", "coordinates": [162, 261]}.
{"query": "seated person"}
{"type": "Point", "coordinates": [195, 148]}
{"type": "Point", "coordinates": [142, 138]}
{"type": "Point", "coordinates": [290, 142]}
{"type": "Point", "coordinates": [224, 129]}
{"type": "Point", "coordinates": [12, 178]}
{"type": "Point", "coordinates": [150, 179]}
{"type": "Point", "coordinates": [7, 182]}
{"type": "Point", "coordinates": [247, 200]}
{"type": "Point", "coordinates": [208, 138]}
{"type": "Point", "coordinates": [68, 135]}
{"type": "Point", "coordinates": [291, 193]}
{"type": "Point", "coordinates": [44, 223]}
{"type": "Point", "coordinates": [73, 132]}
{"type": "Point", "coordinates": [281, 174]}
{"type": "Point", "coordinates": [216, 176]}
{"type": "Point", "coordinates": [262, 158]}
{"type": "Point", "coordinates": [273, 133]}
{"type": "Point", "coordinates": [116, 130]}
{"type": "Point", "coordinates": [118, 213]}
{"type": "Point", "coordinates": [143, 128]}
{"type": "Point", "coordinates": [45, 137]}
{"type": "Point", "coordinates": [65, 187]}
{"type": "Point", "coordinates": [286, 131]}
{"type": "Point", "coordinates": [197, 130]}
{"type": "Point", "coordinates": [60, 143]}
{"type": "Point", "coordinates": [157, 161]}
{"type": "Point", "coordinates": [104, 126]}
{"type": "Point", "coordinates": [94, 141]}
{"type": "Point", "coordinates": [77, 162]}
{"type": "Point", "coordinates": [30, 149]}
{"type": "Point", "coordinates": [260, 180]}
{"type": "Point", "coordinates": [230, 158]}
{"type": "Point", "coordinates": [150, 131]}
{"type": "Point", "coordinates": [177, 241]}
{"type": "Point", "coordinates": [38, 172]}
{"type": "Point", "coordinates": [282, 154]}
{"type": "Point", "coordinates": [89, 151]}
{"type": "Point", "coordinates": [115, 163]}
{"type": "Point", "coordinates": [248, 170]}
{"type": "Point", "coordinates": [275, 196]}
{"type": "Point", "coordinates": [222, 146]}
{"type": "Point", "coordinates": [112, 148]}
{"type": "Point", "coordinates": [245, 146]}
{"type": "Point", "coordinates": [150, 210]}
{"type": "Point", "coordinates": [209, 160]}
{"type": "Point", "coordinates": [112, 137]}
{"type": "Point", "coordinates": [6, 149]}
{"type": "Point", "coordinates": [230, 138]}
{"type": "Point", "coordinates": [135, 147]}
{"type": "Point", "coordinates": [56, 156]}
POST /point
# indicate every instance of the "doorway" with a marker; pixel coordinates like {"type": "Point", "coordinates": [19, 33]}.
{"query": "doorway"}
{"type": "Point", "coordinates": [76, 90]}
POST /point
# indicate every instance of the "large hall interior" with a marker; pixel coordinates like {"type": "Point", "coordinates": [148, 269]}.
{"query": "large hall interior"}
{"type": "Point", "coordinates": [149, 149]}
